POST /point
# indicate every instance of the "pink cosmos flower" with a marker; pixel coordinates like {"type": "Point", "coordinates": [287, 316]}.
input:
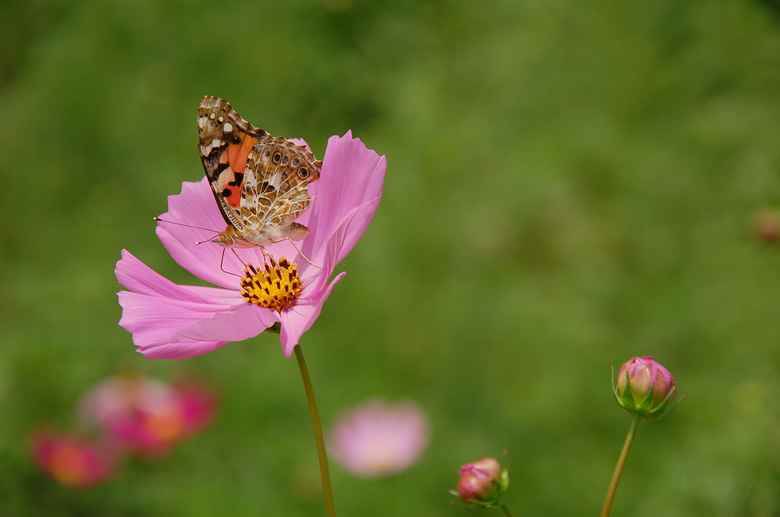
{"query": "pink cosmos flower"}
{"type": "Point", "coordinates": [144, 415]}
{"type": "Point", "coordinates": [376, 439]}
{"type": "Point", "coordinates": [197, 405]}
{"type": "Point", "coordinates": [73, 460]}
{"type": "Point", "coordinates": [170, 321]}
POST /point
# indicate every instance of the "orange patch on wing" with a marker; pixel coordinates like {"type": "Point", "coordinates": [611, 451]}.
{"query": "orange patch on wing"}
{"type": "Point", "coordinates": [234, 199]}
{"type": "Point", "coordinates": [237, 154]}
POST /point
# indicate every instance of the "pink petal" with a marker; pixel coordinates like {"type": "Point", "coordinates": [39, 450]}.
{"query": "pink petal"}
{"type": "Point", "coordinates": [140, 278]}
{"type": "Point", "coordinates": [352, 176]}
{"type": "Point", "coordinates": [354, 225]}
{"type": "Point", "coordinates": [376, 438]}
{"type": "Point", "coordinates": [300, 317]}
{"type": "Point", "coordinates": [195, 206]}
{"type": "Point", "coordinates": [242, 323]}
{"type": "Point", "coordinates": [176, 322]}
{"type": "Point", "coordinates": [300, 141]}
{"type": "Point", "coordinates": [332, 252]}
{"type": "Point", "coordinates": [154, 322]}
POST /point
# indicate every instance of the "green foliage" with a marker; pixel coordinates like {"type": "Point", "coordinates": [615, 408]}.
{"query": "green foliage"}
{"type": "Point", "coordinates": [569, 184]}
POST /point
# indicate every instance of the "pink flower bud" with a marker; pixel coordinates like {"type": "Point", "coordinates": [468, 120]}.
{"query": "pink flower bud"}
{"type": "Point", "coordinates": [766, 225]}
{"type": "Point", "coordinates": [645, 387]}
{"type": "Point", "coordinates": [482, 482]}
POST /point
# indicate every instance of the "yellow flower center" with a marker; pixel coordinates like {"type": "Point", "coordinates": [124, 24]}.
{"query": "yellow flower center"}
{"type": "Point", "coordinates": [274, 287]}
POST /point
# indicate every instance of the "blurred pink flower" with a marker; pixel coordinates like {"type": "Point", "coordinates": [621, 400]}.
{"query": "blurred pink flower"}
{"type": "Point", "coordinates": [144, 415]}
{"type": "Point", "coordinates": [376, 439]}
{"type": "Point", "coordinates": [197, 405]}
{"type": "Point", "coordinates": [73, 460]}
{"type": "Point", "coordinates": [170, 321]}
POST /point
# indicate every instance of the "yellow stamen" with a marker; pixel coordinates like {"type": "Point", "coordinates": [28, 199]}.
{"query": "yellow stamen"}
{"type": "Point", "coordinates": [276, 287]}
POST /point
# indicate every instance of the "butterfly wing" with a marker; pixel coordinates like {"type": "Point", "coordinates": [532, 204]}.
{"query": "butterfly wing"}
{"type": "Point", "coordinates": [259, 181]}
{"type": "Point", "coordinates": [278, 173]}
{"type": "Point", "coordinates": [225, 143]}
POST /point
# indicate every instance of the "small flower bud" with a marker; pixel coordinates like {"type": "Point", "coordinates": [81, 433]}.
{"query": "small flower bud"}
{"type": "Point", "coordinates": [766, 225]}
{"type": "Point", "coordinates": [483, 482]}
{"type": "Point", "coordinates": [645, 387]}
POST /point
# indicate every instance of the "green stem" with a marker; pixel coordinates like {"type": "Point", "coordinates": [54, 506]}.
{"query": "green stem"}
{"type": "Point", "coordinates": [506, 510]}
{"type": "Point", "coordinates": [315, 420]}
{"type": "Point", "coordinates": [620, 465]}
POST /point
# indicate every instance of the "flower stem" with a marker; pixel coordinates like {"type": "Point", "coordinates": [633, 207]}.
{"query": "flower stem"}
{"type": "Point", "coordinates": [315, 420]}
{"type": "Point", "coordinates": [619, 467]}
{"type": "Point", "coordinates": [506, 510]}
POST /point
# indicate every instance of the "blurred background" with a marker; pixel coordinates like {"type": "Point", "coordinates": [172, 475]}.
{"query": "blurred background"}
{"type": "Point", "coordinates": [569, 184]}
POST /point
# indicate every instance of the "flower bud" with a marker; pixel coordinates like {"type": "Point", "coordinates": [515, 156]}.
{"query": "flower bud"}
{"type": "Point", "coordinates": [483, 482]}
{"type": "Point", "coordinates": [766, 225]}
{"type": "Point", "coordinates": [645, 387]}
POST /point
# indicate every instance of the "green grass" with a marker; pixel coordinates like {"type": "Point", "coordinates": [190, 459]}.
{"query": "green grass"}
{"type": "Point", "coordinates": [569, 184]}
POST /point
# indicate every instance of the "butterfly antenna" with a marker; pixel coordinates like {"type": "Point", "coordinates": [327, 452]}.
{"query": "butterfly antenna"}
{"type": "Point", "coordinates": [159, 220]}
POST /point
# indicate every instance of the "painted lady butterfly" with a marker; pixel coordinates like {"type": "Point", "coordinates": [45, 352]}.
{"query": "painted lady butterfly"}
{"type": "Point", "coordinates": [259, 181]}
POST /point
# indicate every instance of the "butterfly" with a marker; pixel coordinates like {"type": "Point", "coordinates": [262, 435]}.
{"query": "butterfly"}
{"type": "Point", "coordinates": [260, 182]}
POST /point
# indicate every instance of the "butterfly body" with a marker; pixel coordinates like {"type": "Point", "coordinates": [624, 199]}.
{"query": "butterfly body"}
{"type": "Point", "coordinates": [260, 182]}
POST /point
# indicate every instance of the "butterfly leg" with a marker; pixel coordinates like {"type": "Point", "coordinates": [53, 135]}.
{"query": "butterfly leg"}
{"type": "Point", "coordinates": [267, 257]}
{"type": "Point", "coordinates": [236, 254]}
{"type": "Point", "coordinates": [299, 251]}
{"type": "Point", "coordinates": [222, 261]}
